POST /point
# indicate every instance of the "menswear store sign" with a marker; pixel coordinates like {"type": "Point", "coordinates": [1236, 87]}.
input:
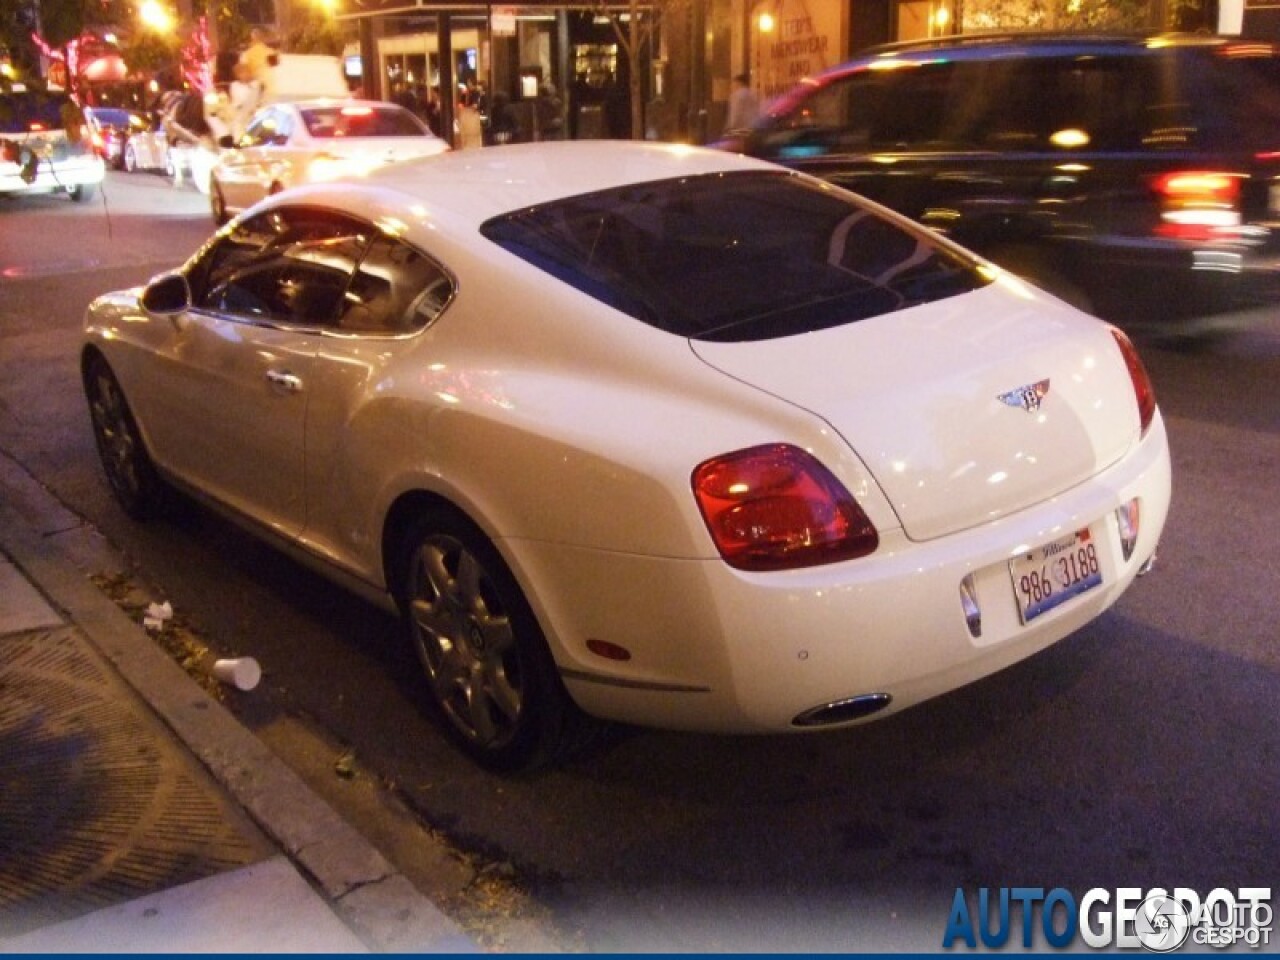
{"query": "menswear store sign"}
{"type": "Point", "coordinates": [804, 41]}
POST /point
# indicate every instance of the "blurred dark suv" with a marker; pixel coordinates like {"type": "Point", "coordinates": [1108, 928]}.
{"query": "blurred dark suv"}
{"type": "Point", "coordinates": [1138, 177]}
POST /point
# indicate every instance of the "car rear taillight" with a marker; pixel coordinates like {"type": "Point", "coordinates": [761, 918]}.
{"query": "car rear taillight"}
{"type": "Point", "coordinates": [1198, 204]}
{"type": "Point", "coordinates": [1143, 391]}
{"type": "Point", "coordinates": [775, 507]}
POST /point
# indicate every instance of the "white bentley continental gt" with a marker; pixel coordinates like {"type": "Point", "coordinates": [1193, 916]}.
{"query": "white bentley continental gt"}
{"type": "Point", "coordinates": [642, 432]}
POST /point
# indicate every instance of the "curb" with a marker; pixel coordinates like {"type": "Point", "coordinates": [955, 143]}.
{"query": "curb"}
{"type": "Point", "coordinates": [379, 904]}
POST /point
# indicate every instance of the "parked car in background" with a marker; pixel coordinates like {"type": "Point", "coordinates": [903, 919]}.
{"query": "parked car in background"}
{"type": "Point", "coordinates": [46, 145]}
{"type": "Point", "coordinates": [147, 149]}
{"type": "Point", "coordinates": [313, 141]}
{"type": "Point", "coordinates": [647, 431]}
{"type": "Point", "coordinates": [1137, 177]}
{"type": "Point", "coordinates": [112, 129]}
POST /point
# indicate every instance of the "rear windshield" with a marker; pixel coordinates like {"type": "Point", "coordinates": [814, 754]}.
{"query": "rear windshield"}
{"type": "Point", "coordinates": [339, 121]}
{"type": "Point", "coordinates": [1236, 96]}
{"type": "Point", "coordinates": [111, 115]}
{"type": "Point", "coordinates": [736, 256]}
{"type": "Point", "coordinates": [28, 111]}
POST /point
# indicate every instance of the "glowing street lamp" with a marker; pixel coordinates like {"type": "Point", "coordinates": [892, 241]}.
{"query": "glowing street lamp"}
{"type": "Point", "coordinates": [156, 15]}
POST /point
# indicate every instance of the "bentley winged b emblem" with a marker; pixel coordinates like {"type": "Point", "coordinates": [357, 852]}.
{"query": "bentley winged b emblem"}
{"type": "Point", "coordinates": [1027, 397]}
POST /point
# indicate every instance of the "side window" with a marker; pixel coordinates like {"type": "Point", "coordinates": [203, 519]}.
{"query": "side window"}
{"type": "Point", "coordinates": [269, 127]}
{"type": "Point", "coordinates": [286, 266]}
{"type": "Point", "coordinates": [1043, 104]}
{"type": "Point", "coordinates": [913, 107]}
{"type": "Point", "coordinates": [836, 118]}
{"type": "Point", "coordinates": [396, 289]}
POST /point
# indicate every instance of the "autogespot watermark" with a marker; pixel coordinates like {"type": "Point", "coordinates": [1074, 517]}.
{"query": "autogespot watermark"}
{"type": "Point", "coordinates": [1126, 918]}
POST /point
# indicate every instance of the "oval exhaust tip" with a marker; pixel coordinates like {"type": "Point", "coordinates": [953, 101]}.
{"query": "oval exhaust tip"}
{"type": "Point", "coordinates": [843, 711]}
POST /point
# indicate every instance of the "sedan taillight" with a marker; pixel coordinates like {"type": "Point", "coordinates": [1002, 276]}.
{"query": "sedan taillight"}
{"type": "Point", "coordinates": [1143, 391]}
{"type": "Point", "coordinates": [775, 507]}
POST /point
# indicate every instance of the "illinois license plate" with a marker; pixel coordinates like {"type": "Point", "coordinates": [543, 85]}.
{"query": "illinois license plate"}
{"type": "Point", "coordinates": [1054, 573]}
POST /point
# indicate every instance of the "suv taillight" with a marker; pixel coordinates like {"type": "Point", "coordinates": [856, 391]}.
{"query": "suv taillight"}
{"type": "Point", "coordinates": [1143, 391]}
{"type": "Point", "coordinates": [1198, 204]}
{"type": "Point", "coordinates": [776, 507]}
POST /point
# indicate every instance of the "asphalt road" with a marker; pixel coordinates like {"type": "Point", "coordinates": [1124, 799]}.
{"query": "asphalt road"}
{"type": "Point", "coordinates": [1142, 752]}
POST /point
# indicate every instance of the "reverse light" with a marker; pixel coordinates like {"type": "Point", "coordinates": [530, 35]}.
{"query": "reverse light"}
{"type": "Point", "coordinates": [775, 507]}
{"type": "Point", "coordinates": [1144, 392]}
{"type": "Point", "coordinates": [1128, 517]}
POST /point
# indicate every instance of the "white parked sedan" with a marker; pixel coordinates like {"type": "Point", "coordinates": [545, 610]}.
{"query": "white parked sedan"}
{"type": "Point", "coordinates": [312, 141]}
{"type": "Point", "coordinates": [643, 432]}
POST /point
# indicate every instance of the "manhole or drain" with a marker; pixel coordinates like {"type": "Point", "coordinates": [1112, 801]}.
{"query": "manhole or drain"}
{"type": "Point", "coordinates": [97, 806]}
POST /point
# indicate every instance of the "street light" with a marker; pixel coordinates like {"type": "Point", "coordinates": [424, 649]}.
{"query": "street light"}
{"type": "Point", "coordinates": [156, 15]}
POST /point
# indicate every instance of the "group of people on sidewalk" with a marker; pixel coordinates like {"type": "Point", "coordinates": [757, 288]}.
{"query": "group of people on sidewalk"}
{"type": "Point", "coordinates": [482, 121]}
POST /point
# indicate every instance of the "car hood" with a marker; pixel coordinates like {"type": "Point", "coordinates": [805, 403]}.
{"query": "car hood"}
{"type": "Point", "coordinates": [964, 410]}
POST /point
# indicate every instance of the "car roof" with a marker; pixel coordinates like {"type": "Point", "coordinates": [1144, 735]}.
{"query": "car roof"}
{"type": "Point", "coordinates": [315, 103]}
{"type": "Point", "coordinates": [989, 46]}
{"type": "Point", "coordinates": [1040, 42]}
{"type": "Point", "coordinates": [469, 187]}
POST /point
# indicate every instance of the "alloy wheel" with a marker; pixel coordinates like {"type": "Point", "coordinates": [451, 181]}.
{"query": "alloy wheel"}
{"type": "Point", "coordinates": [124, 458]}
{"type": "Point", "coordinates": [466, 642]}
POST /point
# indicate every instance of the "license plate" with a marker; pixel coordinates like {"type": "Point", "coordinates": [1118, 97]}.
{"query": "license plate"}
{"type": "Point", "coordinates": [1054, 573]}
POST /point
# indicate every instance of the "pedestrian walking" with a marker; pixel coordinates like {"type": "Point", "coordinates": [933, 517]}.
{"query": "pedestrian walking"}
{"type": "Point", "coordinates": [744, 108]}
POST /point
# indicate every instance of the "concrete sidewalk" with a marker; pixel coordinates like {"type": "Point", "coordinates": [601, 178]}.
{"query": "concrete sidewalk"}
{"type": "Point", "coordinates": [137, 814]}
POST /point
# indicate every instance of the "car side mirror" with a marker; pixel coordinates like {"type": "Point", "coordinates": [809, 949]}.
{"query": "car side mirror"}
{"type": "Point", "coordinates": [167, 294]}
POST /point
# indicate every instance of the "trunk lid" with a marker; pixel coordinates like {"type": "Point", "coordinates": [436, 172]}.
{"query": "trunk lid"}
{"type": "Point", "coordinates": [964, 410]}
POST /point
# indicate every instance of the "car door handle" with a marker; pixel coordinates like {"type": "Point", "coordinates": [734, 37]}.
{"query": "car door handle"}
{"type": "Point", "coordinates": [284, 382]}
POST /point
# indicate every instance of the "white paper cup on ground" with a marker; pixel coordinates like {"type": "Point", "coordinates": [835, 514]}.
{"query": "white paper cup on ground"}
{"type": "Point", "coordinates": [243, 673]}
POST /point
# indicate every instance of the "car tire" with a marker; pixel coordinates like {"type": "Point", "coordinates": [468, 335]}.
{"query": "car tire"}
{"type": "Point", "coordinates": [129, 160]}
{"type": "Point", "coordinates": [83, 193]}
{"type": "Point", "coordinates": [492, 683]}
{"type": "Point", "coordinates": [218, 204]}
{"type": "Point", "coordinates": [125, 460]}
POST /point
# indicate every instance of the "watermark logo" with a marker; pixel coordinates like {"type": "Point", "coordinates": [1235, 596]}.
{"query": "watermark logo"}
{"type": "Point", "coordinates": [1157, 920]}
{"type": "Point", "coordinates": [1162, 924]}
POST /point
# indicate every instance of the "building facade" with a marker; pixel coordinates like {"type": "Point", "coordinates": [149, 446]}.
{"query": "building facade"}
{"type": "Point", "coordinates": [689, 50]}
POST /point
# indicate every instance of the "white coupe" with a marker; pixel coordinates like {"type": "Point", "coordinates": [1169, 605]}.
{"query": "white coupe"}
{"type": "Point", "coordinates": [311, 141]}
{"type": "Point", "coordinates": [643, 432]}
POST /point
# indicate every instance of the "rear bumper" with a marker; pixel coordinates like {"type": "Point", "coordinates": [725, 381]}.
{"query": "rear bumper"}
{"type": "Point", "coordinates": [715, 649]}
{"type": "Point", "coordinates": [63, 175]}
{"type": "Point", "coordinates": [1166, 280]}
